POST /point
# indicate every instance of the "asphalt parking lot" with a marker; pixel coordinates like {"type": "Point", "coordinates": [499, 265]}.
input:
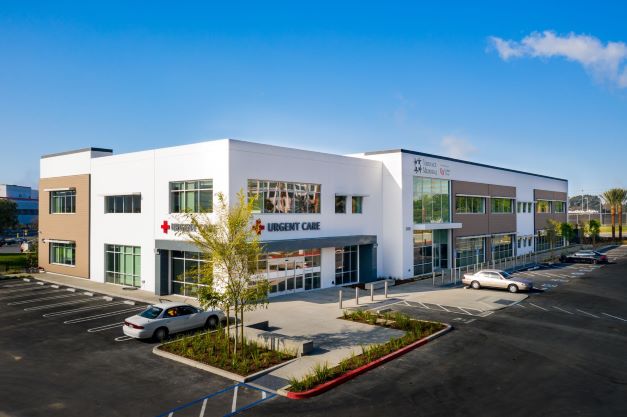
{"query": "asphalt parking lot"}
{"type": "Point", "coordinates": [63, 353]}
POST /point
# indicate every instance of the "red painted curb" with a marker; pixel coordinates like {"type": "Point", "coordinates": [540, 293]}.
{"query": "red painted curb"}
{"type": "Point", "coordinates": [358, 371]}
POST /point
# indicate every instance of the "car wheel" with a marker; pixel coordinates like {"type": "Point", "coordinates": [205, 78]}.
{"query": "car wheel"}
{"type": "Point", "coordinates": [512, 288]}
{"type": "Point", "coordinates": [160, 334]}
{"type": "Point", "coordinates": [475, 285]}
{"type": "Point", "coordinates": [212, 322]}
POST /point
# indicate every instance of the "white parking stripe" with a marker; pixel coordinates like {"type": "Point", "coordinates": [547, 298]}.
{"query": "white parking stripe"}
{"type": "Point", "coordinates": [124, 339]}
{"type": "Point", "coordinates": [614, 317]}
{"type": "Point", "coordinates": [66, 312]}
{"type": "Point", "coordinates": [97, 316]}
{"type": "Point", "coordinates": [204, 405]}
{"type": "Point", "coordinates": [65, 303]}
{"type": "Point", "coordinates": [585, 312]}
{"type": "Point", "coordinates": [18, 290]}
{"type": "Point", "coordinates": [19, 284]}
{"type": "Point", "coordinates": [520, 305]}
{"type": "Point", "coordinates": [443, 308]}
{"type": "Point", "coordinates": [22, 295]}
{"type": "Point", "coordinates": [35, 300]}
{"type": "Point", "coordinates": [561, 309]}
{"type": "Point", "coordinates": [470, 314]}
{"type": "Point", "coordinates": [541, 308]}
{"type": "Point", "coordinates": [105, 327]}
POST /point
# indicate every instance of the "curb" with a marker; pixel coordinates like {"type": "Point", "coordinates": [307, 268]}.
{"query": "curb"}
{"type": "Point", "coordinates": [362, 369]}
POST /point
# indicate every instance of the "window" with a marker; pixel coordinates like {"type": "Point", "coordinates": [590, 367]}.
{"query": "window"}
{"type": "Point", "coordinates": [464, 204]}
{"type": "Point", "coordinates": [289, 270]}
{"type": "Point", "coordinates": [123, 265]}
{"type": "Point", "coordinates": [191, 196]}
{"type": "Point", "coordinates": [284, 197]}
{"type": "Point", "coordinates": [519, 204]}
{"type": "Point", "coordinates": [63, 253]}
{"type": "Point", "coordinates": [529, 207]}
{"type": "Point", "coordinates": [63, 201]}
{"type": "Point", "coordinates": [340, 204]}
{"type": "Point", "coordinates": [543, 206]}
{"type": "Point", "coordinates": [519, 241]}
{"type": "Point", "coordinates": [542, 241]}
{"type": "Point", "coordinates": [423, 252]}
{"type": "Point", "coordinates": [502, 205]}
{"type": "Point", "coordinates": [186, 272]}
{"type": "Point", "coordinates": [469, 251]}
{"type": "Point", "coordinates": [131, 203]}
{"type": "Point", "coordinates": [357, 204]}
{"type": "Point", "coordinates": [502, 247]}
{"type": "Point", "coordinates": [559, 207]}
{"type": "Point", "coordinates": [529, 241]}
{"type": "Point", "coordinates": [431, 200]}
{"type": "Point", "coordinates": [346, 269]}
{"type": "Point", "coordinates": [524, 207]}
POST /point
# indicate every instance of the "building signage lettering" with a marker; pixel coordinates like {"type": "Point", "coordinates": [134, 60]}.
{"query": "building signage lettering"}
{"type": "Point", "coordinates": [292, 226]}
{"type": "Point", "coordinates": [423, 166]}
{"type": "Point", "coordinates": [177, 227]}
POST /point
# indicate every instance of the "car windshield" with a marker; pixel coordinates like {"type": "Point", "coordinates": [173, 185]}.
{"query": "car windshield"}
{"type": "Point", "coordinates": [505, 274]}
{"type": "Point", "coordinates": [151, 312]}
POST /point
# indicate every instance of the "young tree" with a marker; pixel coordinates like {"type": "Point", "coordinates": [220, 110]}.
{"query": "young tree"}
{"type": "Point", "coordinates": [8, 214]}
{"type": "Point", "coordinates": [593, 228]}
{"type": "Point", "coordinates": [232, 247]}
{"type": "Point", "coordinates": [621, 197]}
{"type": "Point", "coordinates": [566, 231]}
{"type": "Point", "coordinates": [553, 234]}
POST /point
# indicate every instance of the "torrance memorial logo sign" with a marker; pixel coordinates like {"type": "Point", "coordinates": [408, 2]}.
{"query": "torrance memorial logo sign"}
{"type": "Point", "coordinates": [285, 226]}
{"type": "Point", "coordinates": [424, 166]}
{"type": "Point", "coordinates": [177, 227]}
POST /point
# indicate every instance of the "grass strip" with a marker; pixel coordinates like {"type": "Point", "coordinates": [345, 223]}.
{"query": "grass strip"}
{"type": "Point", "coordinates": [414, 330]}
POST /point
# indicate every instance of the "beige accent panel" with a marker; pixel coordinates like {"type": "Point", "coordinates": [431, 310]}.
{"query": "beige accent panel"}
{"type": "Point", "coordinates": [502, 223]}
{"type": "Point", "coordinates": [549, 195]}
{"type": "Point", "coordinates": [502, 191]}
{"type": "Point", "coordinates": [71, 226]}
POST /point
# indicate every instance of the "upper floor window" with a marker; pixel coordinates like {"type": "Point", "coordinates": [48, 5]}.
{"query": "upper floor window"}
{"type": "Point", "coordinates": [63, 201]}
{"type": "Point", "coordinates": [358, 203]}
{"type": "Point", "coordinates": [284, 197]}
{"type": "Point", "coordinates": [543, 206]}
{"type": "Point", "coordinates": [559, 207]}
{"type": "Point", "coordinates": [431, 200]}
{"type": "Point", "coordinates": [340, 204]}
{"type": "Point", "coordinates": [464, 204]}
{"type": "Point", "coordinates": [519, 204]}
{"type": "Point", "coordinates": [191, 196]}
{"type": "Point", "coordinates": [123, 203]}
{"type": "Point", "coordinates": [502, 205]}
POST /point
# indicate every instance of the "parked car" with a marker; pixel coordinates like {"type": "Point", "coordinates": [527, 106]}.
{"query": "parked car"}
{"type": "Point", "coordinates": [586, 256]}
{"type": "Point", "coordinates": [495, 278]}
{"type": "Point", "coordinates": [160, 320]}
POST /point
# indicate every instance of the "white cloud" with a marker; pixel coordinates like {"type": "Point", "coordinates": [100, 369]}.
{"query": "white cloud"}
{"type": "Point", "coordinates": [456, 147]}
{"type": "Point", "coordinates": [606, 62]}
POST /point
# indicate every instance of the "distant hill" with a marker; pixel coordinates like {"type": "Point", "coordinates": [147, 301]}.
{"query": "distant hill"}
{"type": "Point", "coordinates": [593, 202]}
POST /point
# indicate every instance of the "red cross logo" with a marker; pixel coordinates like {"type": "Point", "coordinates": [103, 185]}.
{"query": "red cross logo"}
{"type": "Point", "coordinates": [258, 227]}
{"type": "Point", "coordinates": [165, 226]}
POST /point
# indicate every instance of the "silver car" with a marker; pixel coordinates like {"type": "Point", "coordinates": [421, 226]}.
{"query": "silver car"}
{"type": "Point", "coordinates": [495, 278]}
{"type": "Point", "coordinates": [160, 320]}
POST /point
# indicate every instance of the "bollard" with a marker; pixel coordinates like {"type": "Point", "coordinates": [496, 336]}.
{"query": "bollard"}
{"type": "Point", "coordinates": [356, 295]}
{"type": "Point", "coordinates": [371, 292]}
{"type": "Point", "coordinates": [385, 285]}
{"type": "Point", "coordinates": [340, 299]}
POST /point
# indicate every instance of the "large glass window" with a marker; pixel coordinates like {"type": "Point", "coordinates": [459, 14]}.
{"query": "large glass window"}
{"type": "Point", "coordinates": [423, 252]}
{"type": "Point", "coordinates": [559, 207]}
{"type": "Point", "coordinates": [542, 241]}
{"type": "Point", "coordinates": [346, 261]}
{"type": "Point", "coordinates": [63, 253]}
{"type": "Point", "coordinates": [284, 197]}
{"type": "Point", "coordinates": [431, 200]}
{"type": "Point", "coordinates": [502, 247]}
{"type": "Point", "coordinates": [290, 270]}
{"type": "Point", "coordinates": [186, 272]}
{"type": "Point", "coordinates": [340, 204]}
{"type": "Point", "coordinates": [469, 251]}
{"type": "Point", "coordinates": [191, 196]}
{"type": "Point", "coordinates": [357, 204]}
{"type": "Point", "coordinates": [543, 206]}
{"type": "Point", "coordinates": [131, 203]}
{"type": "Point", "coordinates": [123, 265]}
{"type": "Point", "coordinates": [465, 204]}
{"type": "Point", "coordinates": [502, 205]}
{"type": "Point", "coordinates": [63, 201]}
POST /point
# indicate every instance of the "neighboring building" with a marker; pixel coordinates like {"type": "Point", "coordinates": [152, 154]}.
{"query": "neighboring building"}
{"type": "Point", "coordinates": [27, 201]}
{"type": "Point", "coordinates": [324, 219]}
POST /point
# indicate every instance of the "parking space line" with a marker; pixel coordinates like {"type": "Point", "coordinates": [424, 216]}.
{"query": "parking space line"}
{"type": "Point", "coordinates": [585, 312]}
{"type": "Point", "coordinates": [18, 290]}
{"type": "Point", "coordinates": [19, 284]}
{"type": "Point", "coordinates": [98, 316]}
{"type": "Point", "coordinates": [537, 306]}
{"type": "Point", "coordinates": [123, 338]}
{"type": "Point", "coordinates": [66, 312]}
{"type": "Point", "coordinates": [105, 327]}
{"type": "Point", "coordinates": [202, 410]}
{"type": "Point", "coordinates": [35, 300]}
{"type": "Point", "coordinates": [470, 314]}
{"type": "Point", "coordinates": [561, 309]}
{"type": "Point", "coordinates": [520, 305]}
{"type": "Point", "coordinates": [614, 317]}
{"type": "Point", "coordinates": [65, 303]}
{"type": "Point", "coordinates": [22, 295]}
{"type": "Point", "coordinates": [443, 308]}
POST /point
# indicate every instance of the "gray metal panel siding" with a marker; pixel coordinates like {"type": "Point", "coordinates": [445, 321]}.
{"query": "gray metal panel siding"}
{"type": "Point", "coordinates": [367, 263]}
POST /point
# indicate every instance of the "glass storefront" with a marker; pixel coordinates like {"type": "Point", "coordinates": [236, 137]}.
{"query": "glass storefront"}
{"type": "Point", "coordinates": [346, 265]}
{"type": "Point", "coordinates": [291, 271]}
{"type": "Point", "coordinates": [430, 251]}
{"type": "Point", "coordinates": [431, 200]}
{"type": "Point", "coordinates": [123, 265]}
{"type": "Point", "coordinates": [469, 251]}
{"type": "Point", "coordinates": [502, 247]}
{"type": "Point", "coordinates": [186, 272]}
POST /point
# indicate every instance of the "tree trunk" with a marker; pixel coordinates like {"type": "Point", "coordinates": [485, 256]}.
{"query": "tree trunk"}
{"type": "Point", "coordinates": [613, 216]}
{"type": "Point", "coordinates": [620, 222]}
{"type": "Point", "coordinates": [242, 330]}
{"type": "Point", "coordinates": [235, 341]}
{"type": "Point", "coordinates": [228, 328]}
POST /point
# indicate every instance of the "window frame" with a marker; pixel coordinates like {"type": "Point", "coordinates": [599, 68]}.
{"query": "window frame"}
{"type": "Point", "coordinates": [180, 196]}
{"type": "Point", "coordinates": [62, 247]}
{"type": "Point", "coordinates": [58, 204]}
{"type": "Point", "coordinates": [338, 199]}
{"type": "Point", "coordinates": [354, 206]}
{"type": "Point", "coordinates": [113, 200]}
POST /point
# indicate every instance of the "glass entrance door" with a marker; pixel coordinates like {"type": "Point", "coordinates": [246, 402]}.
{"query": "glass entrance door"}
{"type": "Point", "coordinates": [440, 250]}
{"type": "Point", "coordinates": [286, 275]}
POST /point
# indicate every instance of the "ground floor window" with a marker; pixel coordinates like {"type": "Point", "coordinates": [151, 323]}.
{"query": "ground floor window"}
{"type": "Point", "coordinates": [423, 252]}
{"type": "Point", "coordinates": [502, 247]}
{"type": "Point", "coordinates": [290, 271]}
{"type": "Point", "coordinates": [63, 253]}
{"type": "Point", "coordinates": [542, 242]}
{"type": "Point", "coordinates": [186, 271]}
{"type": "Point", "coordinates": [123, 265]}
{"type": "Point", "coordinates": [469, 251]}
{"type": "Point", "coordinates": [346, 261]}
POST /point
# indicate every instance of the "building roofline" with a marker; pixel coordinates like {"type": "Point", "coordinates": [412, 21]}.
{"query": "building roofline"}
{"type": "Point", "coordinates": [77, 151]}
{"type": "Point", "coordinates": [461, 161]}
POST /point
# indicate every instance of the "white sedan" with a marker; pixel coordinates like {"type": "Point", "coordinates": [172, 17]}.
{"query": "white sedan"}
{"type": "Point", "coordinates": [160, 320]}
{"type": "Point", "coordinates": [496, 278]}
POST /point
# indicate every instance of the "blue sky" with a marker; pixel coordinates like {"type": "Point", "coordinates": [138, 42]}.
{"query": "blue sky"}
{"type": "Point", "coordinates": [479, 81]}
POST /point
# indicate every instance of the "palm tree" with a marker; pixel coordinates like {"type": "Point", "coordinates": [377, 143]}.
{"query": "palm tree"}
{"type": "Point", "coordinates": [621, 195]}
{"type": "Point", "coordinates": [611, 198]}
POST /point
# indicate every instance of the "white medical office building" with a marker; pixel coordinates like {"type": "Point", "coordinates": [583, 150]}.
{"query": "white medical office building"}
{"type": "Point", "coordinates": [324, 219]}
